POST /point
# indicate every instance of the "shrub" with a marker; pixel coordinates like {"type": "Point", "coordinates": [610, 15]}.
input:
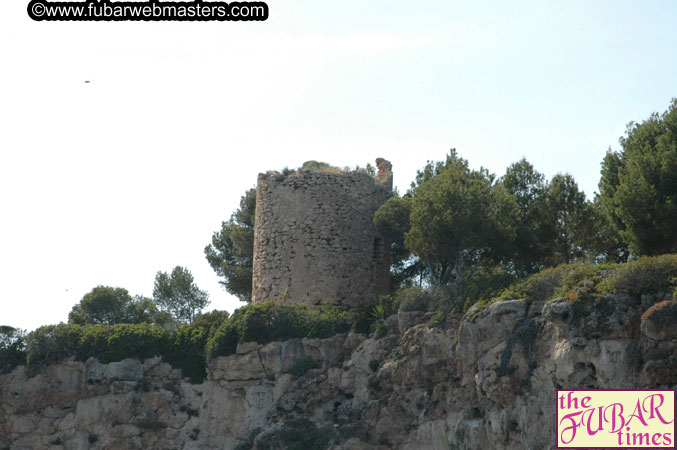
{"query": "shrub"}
{"type": "Point", "coordinates": [52, 343]}
{"type": "Point", "coordinates": [485, 284]}
{"type": "Point", "coordinates": [187, 344]}
{"type": "Point", "coordinates": [12, 348]}
{"type": "Point", "coordinates": [186, 350]}
{"type": "Point", "coordinates": [327, 321]}
{"type": "Point", "coordinates": [183, 348]}
{"type": "Point", "coordinates": [272, 321]}
{"type": "Point", "coordinates": [413, 299]}
{"type": "Point", "coordinates": [118, 342]}
{"type": "Point", "coordinates": [539, 286]}
{"type": "Point", "coordinates": [225, 339]}
{"type": "Point", "coordinates": [302, 365]}
{"type": "Point", "coordinates": [647, 275]}
{"type": "Point", "coordinates": [582, 276]}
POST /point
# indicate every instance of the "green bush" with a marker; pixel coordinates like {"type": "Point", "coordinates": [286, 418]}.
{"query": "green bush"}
{"type": "Point", "coordinates": [117, 342]}
{"type": "Point", "coordinates": [272, 321]}
{"type": "Point", "coordinates": [580, 282]}
{"type": "Point", "coordinates": [188, 343]}
{"type": "Point", "coordinates": [485, 284]}
{"type": "Point", "coordinates": [539, 286]}
{"type": "Point", "coordinates": [225, 339]}
{"type": "Point", "coordinates": [302, 365]}
{"type": "Point", "coordinates": [582, 276]}
{"type": "Point", "coordinates": [183, 348]}
{"type": "Point", "coordinates": [370, 316]}
{"type": "Point", "coordinates": [107, 343]}
{"type": "Point", "coordinates": [647, 275]}
{"type": "Point", "coordinates": [413, 299]}
{"type": "Point", "coordinates": [327, 321]}
{"type": "Point", "coordinates": [12, 348]}
{"type": "Point", "coordinates": [52, 343]}
{"type": "Point", "coordinates": [186, 350]}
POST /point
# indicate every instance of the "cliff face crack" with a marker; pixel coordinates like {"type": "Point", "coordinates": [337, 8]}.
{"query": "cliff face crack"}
{"type": "Point", "coordinates": [263, 366]}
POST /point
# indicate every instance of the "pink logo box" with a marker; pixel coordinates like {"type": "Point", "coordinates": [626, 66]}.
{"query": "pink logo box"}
{"type": "Point", "coordinates": [616, 418]}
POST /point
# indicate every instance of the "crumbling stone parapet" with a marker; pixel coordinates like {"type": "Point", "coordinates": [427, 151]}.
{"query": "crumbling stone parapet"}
{"type": "Point", "coordinates": [385, 173]}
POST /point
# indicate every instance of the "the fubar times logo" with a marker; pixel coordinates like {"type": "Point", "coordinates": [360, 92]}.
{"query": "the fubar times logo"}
{"type": "Point", "coordinates": [621, 418]}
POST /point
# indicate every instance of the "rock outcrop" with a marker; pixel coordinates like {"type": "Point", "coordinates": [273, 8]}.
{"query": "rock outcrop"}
{"type": "Point", "coordinates": [483, 381]}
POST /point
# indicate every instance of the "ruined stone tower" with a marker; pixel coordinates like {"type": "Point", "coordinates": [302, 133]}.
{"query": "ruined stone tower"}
{"type": "Point", "coordinates": [315, 240]}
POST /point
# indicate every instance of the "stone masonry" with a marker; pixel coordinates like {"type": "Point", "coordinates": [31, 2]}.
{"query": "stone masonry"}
{"type": "Point", "coordinates": [315, 240]}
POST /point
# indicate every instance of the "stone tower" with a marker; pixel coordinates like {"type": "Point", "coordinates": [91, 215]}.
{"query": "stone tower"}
{"type": "Point", "coordinates": [315, 240]}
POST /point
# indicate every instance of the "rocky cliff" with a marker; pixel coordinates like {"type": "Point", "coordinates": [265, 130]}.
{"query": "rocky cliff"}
{"type": "Point", "coordinates": [486, 380]}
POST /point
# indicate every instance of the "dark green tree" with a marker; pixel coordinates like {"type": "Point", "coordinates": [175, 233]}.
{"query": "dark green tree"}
{"type": "Point", "coordinates": [609, 244]}
{"type": "Point", "coordinates": [457, 219]}
{"type": "Point", "coordinates": [638, 187]}
{"type": "Point", "coordinates": [531, 247]}
{"type": "Point", "coordinates": [12, 348]}
{"type": "Point", "coordinates": [570, 217]}
{"type": "Point", "coordinates": [178, 294]}
{"type": "Point", "coordinates": [108, 306]}
{"type": "Point", "coordinates": [231, 252]}
{"type": "Point", "coordinates": [392, 221]}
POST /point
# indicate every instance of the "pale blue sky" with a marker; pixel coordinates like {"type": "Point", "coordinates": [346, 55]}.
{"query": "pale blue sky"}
{"type": "Point", "coordinates": [108, 182]}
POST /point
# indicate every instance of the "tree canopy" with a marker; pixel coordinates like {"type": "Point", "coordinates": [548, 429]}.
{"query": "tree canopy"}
{"type": "Point", "coordinates": [530, 247]}
{"type": "Point", "coordinates": [178, 294]}
{"type": "Point", "coordinates": [231, 253]}
{"type": "Point", "coordinates": [569, 215]}
{"type": "Point", "coordinates": [454, 219]}
{"type": "Point", "coordinates": [111, 305]}
{"type": "Point", "coordinates": [638, 185]}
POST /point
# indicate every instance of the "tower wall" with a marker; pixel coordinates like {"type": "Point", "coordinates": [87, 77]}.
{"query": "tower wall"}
{"type": "Point", "coordinates": [315, 240]}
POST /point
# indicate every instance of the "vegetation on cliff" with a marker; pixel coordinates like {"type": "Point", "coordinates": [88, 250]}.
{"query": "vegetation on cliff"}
{"type": "Point", "coordinates": [459, 237]}
{"type": "Point", "coordinates": [189, 347]}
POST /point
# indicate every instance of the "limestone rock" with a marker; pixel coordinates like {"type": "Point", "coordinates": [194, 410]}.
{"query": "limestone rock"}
{"type": "Point", "coordinates": [660, 321]}
{"type": "Point", "coordinates": [487, 380]}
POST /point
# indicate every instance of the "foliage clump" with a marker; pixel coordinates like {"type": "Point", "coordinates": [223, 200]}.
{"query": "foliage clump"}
{"type": "Point", "coordinates": [188, 347]}
{"type": "Point", "coordinates": [638, 186]}
{"type": "Point", "coordinates": [272, 321]}
{"type": "Point", "coordinates": [484, 286]}
{"type": "Point", "coordinates": [231, 252]}
{"type": "Point", "coordinates": [554, 282]}
{"type": "Point", "coordinates": [647, 275]}
{"type": "Point", "coordinates": [110, 305]}
{"type": "Point", "coordinates": [183, 348]}
{"type": "Point", "coordinates": [414, 299]}
{"type": "Point", "coordinates": [12, 348]}
{"type": "Point", "coordinates": [178, 294]}
{"type": "Point", "coordinates": [577, 282]}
